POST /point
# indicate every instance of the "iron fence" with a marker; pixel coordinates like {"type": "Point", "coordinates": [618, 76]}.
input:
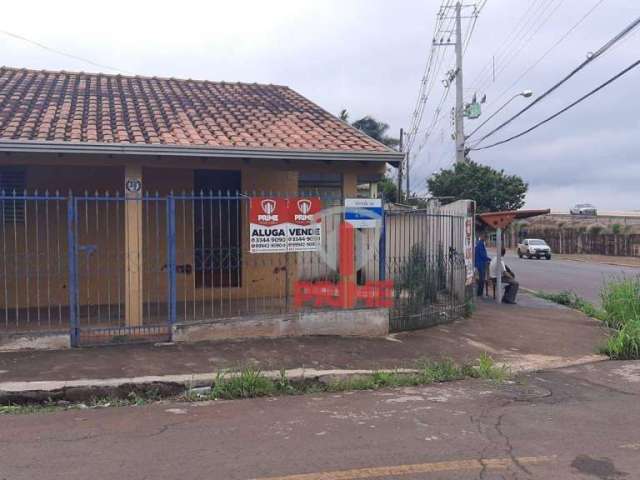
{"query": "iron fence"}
{"type": "Point", "coordinates": [425, 259]}
{"type": "Point", "coordinates": [114, 267]}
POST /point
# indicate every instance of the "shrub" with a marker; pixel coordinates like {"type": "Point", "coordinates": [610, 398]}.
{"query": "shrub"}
{"type": "Point", "coordinates": [418, 279]}
{"type": "Point", "coordinates": [621, 301]}
{"type": "Point", "coordinates": [625, 343]}
{"type": "Point", "coordinates": [616, 229]}
{"type": "Point", "coordinates": [596, 229]}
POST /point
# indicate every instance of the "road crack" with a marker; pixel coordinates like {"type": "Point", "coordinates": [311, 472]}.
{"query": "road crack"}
{"type": "Point", "coordinates": [498, 428]}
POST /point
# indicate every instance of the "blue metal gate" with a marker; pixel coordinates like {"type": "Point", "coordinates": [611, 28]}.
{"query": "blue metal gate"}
{"type": "Point", "coordinates": [111, 274]}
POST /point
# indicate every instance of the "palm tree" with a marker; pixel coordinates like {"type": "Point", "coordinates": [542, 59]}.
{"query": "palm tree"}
{"type": "Point", "coordinates": [375, 129]}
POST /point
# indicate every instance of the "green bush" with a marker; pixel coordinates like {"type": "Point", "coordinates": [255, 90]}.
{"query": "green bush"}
{"type": "Point", "coordinates": [418, 279]}
{"type": "Point", "coordinates": [625, 343]}
{"type": "Point", "coordinates": [621, 302]}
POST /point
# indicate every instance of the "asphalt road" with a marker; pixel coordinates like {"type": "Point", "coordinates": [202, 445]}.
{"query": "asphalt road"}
{"type": "Point", "coordinates": [576, 423]}
{"type": "Point", "coordinates": [584, 278]}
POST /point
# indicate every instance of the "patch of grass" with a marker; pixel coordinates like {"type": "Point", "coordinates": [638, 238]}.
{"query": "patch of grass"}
{"type": "Point", "coordinates": [29, 408]}
{"type": "Point", "coordinates": [442, 371]}
{"type": "Point", "coordinates": [488, 369]}
{"type": "Point", "coordinates": [248, 383]}
{"type": "Point", "coordinates": [376, 381]}
{"type": "Point", "coordinates": [572, 300]}
{"type": "Point", "coordinates": [620, 311]}
{"type": "Point", "coordinates": [133, 398]}
{"type": "Point", "coordinates": [621, 305]}
{"type": "Point", "coordinates": [621, 301]}
{"type": "Point", "coordinates": [624, 344]}
{"type": "Point", "coordinates": [283, 385]}
{"type": "Point", "coordinates": [563, 298]}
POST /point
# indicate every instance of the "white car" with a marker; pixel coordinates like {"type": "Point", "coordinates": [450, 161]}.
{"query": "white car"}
{"type": "Point", "coordinates": [584, 209]}
{"type": "Point", "coordinates": [534, 247]}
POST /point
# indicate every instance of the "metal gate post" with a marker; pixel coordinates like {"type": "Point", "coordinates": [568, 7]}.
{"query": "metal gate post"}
{"type": "Point", "coordinates": [382, 247]}
{"type": "Point", "coordinates": [171, 258]}
{"type": "Point", "coordinates": [74, 324]}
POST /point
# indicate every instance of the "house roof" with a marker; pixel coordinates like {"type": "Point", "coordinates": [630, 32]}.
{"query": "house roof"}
{"type": "Point", "coordinates": [49, 110]}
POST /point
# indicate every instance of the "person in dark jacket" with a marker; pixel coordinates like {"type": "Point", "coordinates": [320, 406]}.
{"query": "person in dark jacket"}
{"type": "Point", "coordinates": [481, 261]}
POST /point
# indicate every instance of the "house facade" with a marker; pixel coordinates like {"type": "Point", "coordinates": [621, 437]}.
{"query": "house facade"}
{"type": "Point", "coordinates": [124, 169]}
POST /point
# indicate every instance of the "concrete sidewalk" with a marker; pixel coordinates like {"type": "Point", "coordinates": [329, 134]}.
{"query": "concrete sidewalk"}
{"type": "Point", "coordinates": [531, 335]}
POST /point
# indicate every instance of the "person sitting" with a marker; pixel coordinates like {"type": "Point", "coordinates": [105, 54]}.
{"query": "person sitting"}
{"type": "Point", "coordinates": [508, 279]}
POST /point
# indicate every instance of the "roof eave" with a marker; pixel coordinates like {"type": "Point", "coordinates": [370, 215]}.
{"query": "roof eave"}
{"type": "Point", "coordinates": [190, 151]}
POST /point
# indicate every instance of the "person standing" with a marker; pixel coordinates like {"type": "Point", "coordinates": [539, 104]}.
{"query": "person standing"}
{"type": "Point", "coordinates": [481, 261]}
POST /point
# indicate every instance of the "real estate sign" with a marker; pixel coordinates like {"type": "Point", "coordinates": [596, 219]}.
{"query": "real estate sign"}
{"type": "Point", "coordinates": [363, 212]}
{"type": "Point", "coordinates": [468, 249]}
{"type": "Point", "coordinates": [279, 224]}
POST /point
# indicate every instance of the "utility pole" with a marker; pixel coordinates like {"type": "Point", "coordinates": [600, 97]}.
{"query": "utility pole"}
{"type": "Point", "coordinates": [408, 189]}
{"type": "Point", "coordinates": [457, 74]}
{"type": "Point", "coordinates": [459, 91]}
{"type": "Point", "coordinates": [400, 167]}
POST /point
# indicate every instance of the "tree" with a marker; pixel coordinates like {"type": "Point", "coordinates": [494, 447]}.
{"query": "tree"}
{"type": "Point", "coordinates": [388, 189]}
{"type": "Point", "coordinates": [491, 189]}
{"type": "Point", "coordinates": [377, 130]}
{"type": "Point", "coordinates": [372, 127]}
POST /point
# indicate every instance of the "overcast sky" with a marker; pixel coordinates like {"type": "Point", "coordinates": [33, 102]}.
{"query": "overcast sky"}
{"type": "Point", "coordinates": [368, 56]}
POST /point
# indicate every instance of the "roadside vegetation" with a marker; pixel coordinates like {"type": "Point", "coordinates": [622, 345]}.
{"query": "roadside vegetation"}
{"type": "Point", "coordinates": [620, 311]}
{"type": "Point", "coordinates": [251, 382]}
{"type": "Point", "coordinates": [571, 300]}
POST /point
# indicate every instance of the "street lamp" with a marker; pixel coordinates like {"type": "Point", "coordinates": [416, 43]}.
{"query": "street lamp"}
{"type": "Point", "coordinates": [525, 93]}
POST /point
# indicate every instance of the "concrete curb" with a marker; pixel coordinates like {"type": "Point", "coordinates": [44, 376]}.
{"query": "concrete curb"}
{"type": "Point", "coordinates": [187, 380]}
{"type": "Point", "coordinates": [159, 385]}
{"type": "Point", "coordinates": [168, 385]}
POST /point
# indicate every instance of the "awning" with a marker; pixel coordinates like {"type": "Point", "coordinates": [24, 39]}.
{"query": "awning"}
{"type": "Point", "coordinates": [504, 219]}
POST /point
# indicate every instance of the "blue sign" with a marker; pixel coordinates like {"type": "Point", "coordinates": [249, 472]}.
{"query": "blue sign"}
{"type": "Point", "coordinates": [363, 212]}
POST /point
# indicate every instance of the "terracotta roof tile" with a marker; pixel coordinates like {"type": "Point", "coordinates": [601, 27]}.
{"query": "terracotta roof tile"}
{"type": "Point", "coordinates": [84, 107]}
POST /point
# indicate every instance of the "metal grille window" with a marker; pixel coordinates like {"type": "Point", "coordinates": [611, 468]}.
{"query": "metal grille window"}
{"type": "Point", "coordinates": [327, 185]}
{"type": "Point", "coordinates": [12, 186]}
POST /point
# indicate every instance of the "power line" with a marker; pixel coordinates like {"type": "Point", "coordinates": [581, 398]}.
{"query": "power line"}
{"type": "Point", "coordinates": [427, 81]}
{"type": "Point", "coordinates": [526, 40]}
{"type": "Point", "coordinates": [60, 52]}
{"type": "Point", "coordinates": [442, 30]}
{"type": "Point", "coordinates": [545, 54]}
{"type": "Point", "coordinates": [588, 60]}
{"type": "Point", "coordinates": [522, 41]}
{"type": "Point", "coordinates": [472, 25]}
{"type": "Point", "coordinates": [436, 119]}
{"type": "Point", "coordinates": [507, 43]}
{"type": "Point", "coordinates": [441, 40]}
{"type": "Point", "coordinates": [560, 112]}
